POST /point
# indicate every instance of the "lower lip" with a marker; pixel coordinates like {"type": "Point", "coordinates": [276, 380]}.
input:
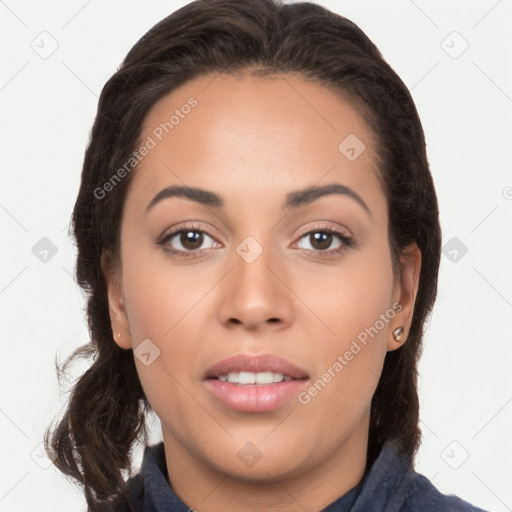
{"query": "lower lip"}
{"type": "Point", "coordinates": [253, 397]}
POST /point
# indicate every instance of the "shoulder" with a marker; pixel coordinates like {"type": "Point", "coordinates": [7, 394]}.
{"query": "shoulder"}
{"type": "Point", "coordinates": [392, 485]}
{"type": "Point", "coordinates": [423, 495]}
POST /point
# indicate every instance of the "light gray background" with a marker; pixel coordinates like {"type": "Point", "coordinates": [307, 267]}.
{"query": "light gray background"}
{"type": "Point", "coordinates": [465, 103]}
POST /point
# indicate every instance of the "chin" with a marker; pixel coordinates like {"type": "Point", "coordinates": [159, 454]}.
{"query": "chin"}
{"type": "Point", "coordinates": [259, 458]}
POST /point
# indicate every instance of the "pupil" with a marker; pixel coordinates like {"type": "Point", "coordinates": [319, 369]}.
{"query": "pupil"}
{"type": "Point", "coordinates": [320, 239]}
{"type": "Point", "coordinates": [191, 239]}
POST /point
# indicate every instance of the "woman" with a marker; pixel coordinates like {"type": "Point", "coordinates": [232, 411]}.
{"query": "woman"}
{"type": "Point", "coordinates": [258, 235]}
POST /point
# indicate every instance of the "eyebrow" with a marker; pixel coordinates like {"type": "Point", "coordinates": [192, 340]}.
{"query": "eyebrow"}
{"type": "Point", "coordinates": [294, 199]}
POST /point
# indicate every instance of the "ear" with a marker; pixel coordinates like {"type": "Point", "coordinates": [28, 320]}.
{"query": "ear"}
{"type": "Point", "coordinates": [118, 316]}
{"type": "Point", "coordinates": [404, 294]}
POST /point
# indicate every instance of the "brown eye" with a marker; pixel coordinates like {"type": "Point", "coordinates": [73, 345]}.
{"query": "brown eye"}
{"type": "Point", "coordinates": [191, 240]}
{"type": "Point", "coordinates": [187, 242]}
{"type": "Point", "coordinates": [321, 241]}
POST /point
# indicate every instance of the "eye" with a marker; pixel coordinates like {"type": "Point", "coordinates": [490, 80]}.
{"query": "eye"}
{"type": "Point", "coordinates": [322, 238]}
{"type": "Point", "coordinates": [187, 242]}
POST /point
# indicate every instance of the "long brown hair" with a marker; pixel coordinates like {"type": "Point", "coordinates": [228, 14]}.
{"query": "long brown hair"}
{"type": "Point", "coordinates": [107, 408]}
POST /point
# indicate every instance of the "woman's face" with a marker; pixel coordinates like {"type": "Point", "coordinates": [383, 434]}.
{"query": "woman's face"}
{"type": "Point", "coordinates": [290, 282]}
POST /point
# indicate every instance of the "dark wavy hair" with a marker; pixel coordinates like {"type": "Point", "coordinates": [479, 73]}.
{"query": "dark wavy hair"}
{"type": "Point", "coordinates": [107, 409]}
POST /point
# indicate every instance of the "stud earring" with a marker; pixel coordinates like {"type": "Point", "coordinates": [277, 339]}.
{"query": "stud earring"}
{"type": "Point", "coordinates": [398, 333]}
{"type": "Point", "coordinates": [118, 334]}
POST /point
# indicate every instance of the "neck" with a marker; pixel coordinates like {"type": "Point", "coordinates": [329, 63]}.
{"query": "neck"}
{"type": "Point", "coordinates": [207, 489]}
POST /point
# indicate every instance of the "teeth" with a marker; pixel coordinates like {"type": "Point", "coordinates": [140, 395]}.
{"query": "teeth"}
{"type": "Point", "coordinates": [260, 378]}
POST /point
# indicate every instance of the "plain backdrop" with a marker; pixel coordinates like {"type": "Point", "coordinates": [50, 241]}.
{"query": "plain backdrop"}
{"type": "Point", "coordinates": [454, 56]}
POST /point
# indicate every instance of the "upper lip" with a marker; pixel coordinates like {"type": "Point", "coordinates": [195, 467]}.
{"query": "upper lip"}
{"type": "Point", "coordinates": [255, 364]}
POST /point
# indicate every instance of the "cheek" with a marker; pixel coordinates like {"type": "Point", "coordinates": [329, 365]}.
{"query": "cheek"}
{"type": "Point", "coordinates": [348, 299]}
{"type": "Point", "coordinates": [355, 309]}
{"type": "Point", "coordinates": [160, 294]}
{"type": "Point", "coordinates": [163, 303]}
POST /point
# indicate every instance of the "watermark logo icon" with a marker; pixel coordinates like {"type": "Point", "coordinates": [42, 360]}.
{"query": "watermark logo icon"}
{"type": "Point", "coordinates": [454, 249]}
{"type": "Point", "coordinates": [249, 455]}
{"type": "Point", "coordinates": [44, 250]}
{"type": "Point", "coordinates": [44, 44]}
{"type": "Point", "coordinates": [249, 249]}
{"type": "Point", "coordinates": [455, 455]}
{"type": "Point", "coordinates": [351, 147]}
{"type": "Point", "coordinates": [146, 352]}
{"type": "Point", "coordinates": [454, 45]}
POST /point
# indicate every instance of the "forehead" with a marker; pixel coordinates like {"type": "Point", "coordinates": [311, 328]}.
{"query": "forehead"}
{"type": "Point", "coordinates": [247, 135]}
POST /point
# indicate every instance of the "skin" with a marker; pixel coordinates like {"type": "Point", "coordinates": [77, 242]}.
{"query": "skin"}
{"type": "Point", "coordinates": [252, 141]}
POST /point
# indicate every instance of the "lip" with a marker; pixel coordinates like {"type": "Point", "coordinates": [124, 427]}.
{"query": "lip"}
{"type": "Point", "coordinates": [254, 397]}
{"type": "Point", "coordinates": [262, 363]}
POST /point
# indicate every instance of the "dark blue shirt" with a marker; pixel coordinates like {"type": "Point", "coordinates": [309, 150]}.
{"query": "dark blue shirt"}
{"type": "Point", "coordinates": [391, 485]}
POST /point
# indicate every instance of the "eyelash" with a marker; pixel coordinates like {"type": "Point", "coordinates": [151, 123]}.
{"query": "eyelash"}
{"type": "Point", "coordinates": [346, 241]}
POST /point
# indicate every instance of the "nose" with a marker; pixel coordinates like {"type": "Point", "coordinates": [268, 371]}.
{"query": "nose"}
{"type": "Point", "coordinates": [255, 295]}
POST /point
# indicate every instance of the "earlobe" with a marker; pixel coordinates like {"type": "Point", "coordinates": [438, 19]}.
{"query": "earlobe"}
{"type": "Point", "coordinates": [118, 317]}
{"type": "Point", "coordinates": [405, 293]}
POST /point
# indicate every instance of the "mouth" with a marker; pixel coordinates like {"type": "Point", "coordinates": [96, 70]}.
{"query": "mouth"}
{"type": "Point", "coordinates": [255, 383]}
{"type": "Point", "coordinates": [260, 378]}
{"type": "Point", "coordinates": [263, 370]}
